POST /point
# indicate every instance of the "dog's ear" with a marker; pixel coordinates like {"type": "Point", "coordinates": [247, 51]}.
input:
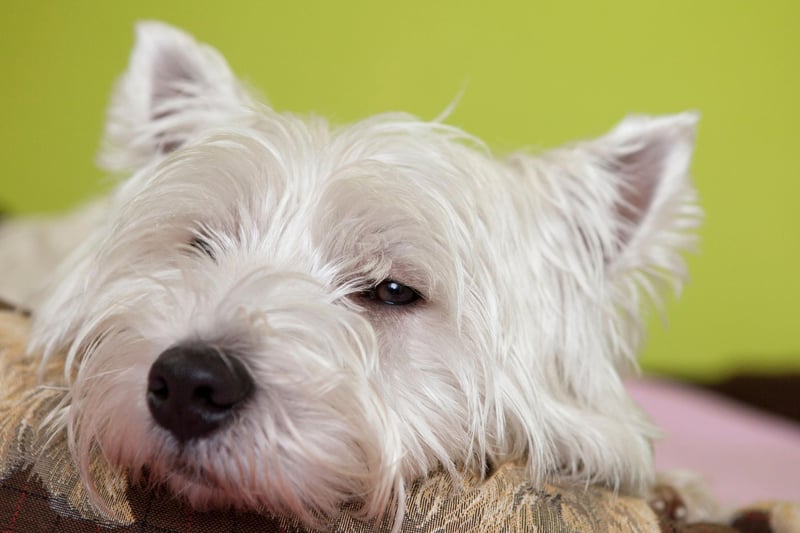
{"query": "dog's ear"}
{"type": "Point", "coordinates": [620, 209]}
{"type": "Point", "coordinates": [645, 161]}
{"type": "Point", "coordinates": [174, 88]}
{"type": "Point", "coordinates": [637, 208]}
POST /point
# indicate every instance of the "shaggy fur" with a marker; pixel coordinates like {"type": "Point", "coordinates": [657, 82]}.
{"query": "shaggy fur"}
{"type": "Point", "coordinates": [530, 270]}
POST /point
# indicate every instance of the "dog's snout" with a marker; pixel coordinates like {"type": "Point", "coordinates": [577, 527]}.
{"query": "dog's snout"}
{"type": "Point", "coordinates": [192, 390]}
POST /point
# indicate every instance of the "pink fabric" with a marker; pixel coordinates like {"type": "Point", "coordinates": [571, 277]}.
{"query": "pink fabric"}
{"type": "Point", "coordinates": [744, 455]}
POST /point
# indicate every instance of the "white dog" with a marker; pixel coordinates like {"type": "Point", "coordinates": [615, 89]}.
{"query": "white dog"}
{"type": "Point", "coordinates": [280, 313]}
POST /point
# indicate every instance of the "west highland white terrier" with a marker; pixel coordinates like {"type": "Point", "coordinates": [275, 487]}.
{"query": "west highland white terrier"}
{"type": "Point", "coordinates": [278, 313]}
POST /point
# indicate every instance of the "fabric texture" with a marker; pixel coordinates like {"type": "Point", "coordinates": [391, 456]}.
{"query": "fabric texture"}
{"type": "Point", "coordinates": [40, 489]}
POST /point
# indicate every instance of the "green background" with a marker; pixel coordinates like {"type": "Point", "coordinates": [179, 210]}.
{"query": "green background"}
{"type": "Point", "coordinates": [535, 74]}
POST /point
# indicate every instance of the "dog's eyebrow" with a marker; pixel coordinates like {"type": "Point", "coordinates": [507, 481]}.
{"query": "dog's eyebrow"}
{"type": "Point", "coordinates": [8, 306]}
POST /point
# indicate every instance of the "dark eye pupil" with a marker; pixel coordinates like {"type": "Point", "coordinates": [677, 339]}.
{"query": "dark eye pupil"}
{"type": "Point", "coordinates": [394, 293]}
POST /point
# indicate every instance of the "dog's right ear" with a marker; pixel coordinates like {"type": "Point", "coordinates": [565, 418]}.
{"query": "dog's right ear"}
{"type": "Point", "coordinates": [174, 89]}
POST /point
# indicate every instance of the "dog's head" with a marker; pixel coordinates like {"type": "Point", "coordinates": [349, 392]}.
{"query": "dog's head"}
{"type": "Point", "coordinates": [286, 314]}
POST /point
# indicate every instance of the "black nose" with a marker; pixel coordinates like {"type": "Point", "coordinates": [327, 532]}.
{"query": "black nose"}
{"type": "Point", "coordinates": [193, 389]}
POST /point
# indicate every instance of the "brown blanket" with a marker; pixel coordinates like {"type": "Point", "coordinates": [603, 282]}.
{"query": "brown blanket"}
{"type": "Point", "coordinates": [40, 489]}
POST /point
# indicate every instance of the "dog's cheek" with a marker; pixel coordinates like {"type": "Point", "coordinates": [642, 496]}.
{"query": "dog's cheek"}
{"type": "Point", "coordinates": [112, 414]}
{"type": "Point", "coordinates": [426, 380]}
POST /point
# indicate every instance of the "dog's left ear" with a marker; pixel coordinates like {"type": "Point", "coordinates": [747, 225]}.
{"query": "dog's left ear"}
{"type": "Point", "coordinates": [625, 204]}
{"type": "Point", "coordinates": [174, 89]}
{"type": "Point", "coordinates": [646, 162]}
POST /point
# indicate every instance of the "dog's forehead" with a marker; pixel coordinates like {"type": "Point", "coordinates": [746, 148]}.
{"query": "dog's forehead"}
{"type": "Point", "coordinates": [382, 151]}
{"type": "Point", "coordinates": [282, 165]}
{"type": "Point", "coordinates": [294, 191]}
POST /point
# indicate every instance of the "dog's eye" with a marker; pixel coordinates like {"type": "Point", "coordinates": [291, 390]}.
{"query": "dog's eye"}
{"type": "Point", "coordinates": [391, 292]}
{"type": "Point", "coordinates": [202, 246]}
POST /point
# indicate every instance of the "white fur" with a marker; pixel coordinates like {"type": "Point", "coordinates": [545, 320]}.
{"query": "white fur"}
{"type": "Point", "coordinates": [31, 249]}
{"type": "Point", "coordinates": [531, 269]}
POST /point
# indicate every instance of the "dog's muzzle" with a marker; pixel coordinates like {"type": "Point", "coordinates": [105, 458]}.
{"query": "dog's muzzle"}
{"type": "Point", "coordinates": [193, 389]}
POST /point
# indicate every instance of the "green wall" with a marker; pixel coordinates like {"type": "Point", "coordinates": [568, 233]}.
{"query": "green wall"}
{"type": "Point", "coordinates": [535, 73]}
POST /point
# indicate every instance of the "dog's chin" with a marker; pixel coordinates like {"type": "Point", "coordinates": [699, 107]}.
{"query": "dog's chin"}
{"type": "Point", "coordinates": [271, 486]}
{"type": "Point", "coordinates": [202, 493]}
{"type": "Point", "coordinates": [199, 489]}
{"type": "Point", "coordinates": [199, 486]}
{"type": "Point", "coordinates": [189, 476]}
{"type": "Point", "coordinates": [204, 489]}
